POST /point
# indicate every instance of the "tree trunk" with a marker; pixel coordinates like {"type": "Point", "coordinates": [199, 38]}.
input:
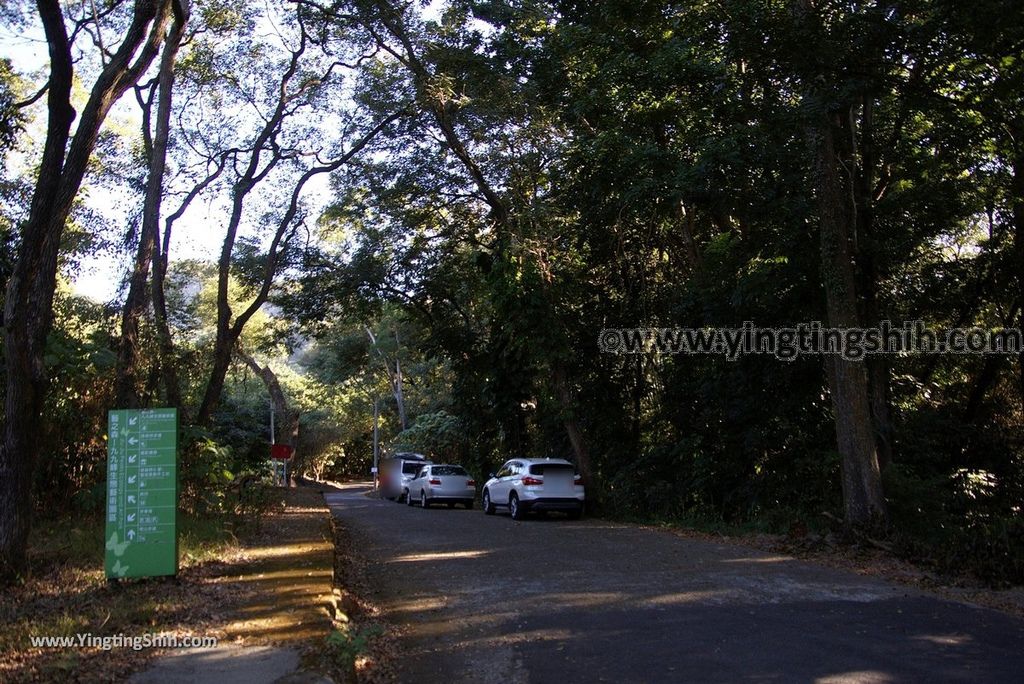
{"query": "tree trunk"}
{"type": "Point", "coordinates": [224, 344]}
{"type": "Point", "coordinates": [861, 478]}
{"type": "Point", "coordinates": [168, 360]}
{"type": "Point", "coordinates": [988, 375]}
{"type": "Point", "coordinates": [28, 308]}
{"type": "Point", "coordinates": [879, 374]}
{"type": "Point", "coordinates": [22, 355]}
{"type": "Point", "coordinates": [396, 384]}
{"type": "Point", "coordinates": [289, 430]}
{"type": "Point", "coordinates": [687, 227]}
{"type": "Point", "coordinates": [639, 391]}
{"type": "Point", "coordinates": [572, 428]}
{"type": "Point", "coordinates": [255, 169]}
{"type": "Point", "coordinates": [126, 394]}
{"type": "Point", "coordinates": [867, 250]}
{"type": "Point", "coordinates": [1018, 237]}
{"type": "Point", "coordinates": [222, 351]}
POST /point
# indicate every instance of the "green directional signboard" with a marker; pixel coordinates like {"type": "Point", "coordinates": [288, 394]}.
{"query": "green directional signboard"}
{"type": "Point", "coordinates": [142, 493]}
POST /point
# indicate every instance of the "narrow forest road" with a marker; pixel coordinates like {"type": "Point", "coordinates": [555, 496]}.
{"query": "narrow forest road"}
{"type": "Point", "coordinates": [482, 598]}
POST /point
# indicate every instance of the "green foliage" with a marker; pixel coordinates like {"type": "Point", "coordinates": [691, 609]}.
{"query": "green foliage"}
{"type": "Point", "coordinates": [653, 162]}
{"type": "Point", "coordinates": [568, 167]}
{"type": "Point", "coordinates": [73, 443]}
{"type": "Point", "coordinates": [205, 474]}
{"type": "Point", "coordinates": [966, 523]}
{"type": "Point", "coordinates": [11, 117]}
{"type": "Point", "coordinates": [345, 644]}
{"type": "Point", "coordinates": [440, 436]}
{"type": "Point", "coordinates": [257, 496]}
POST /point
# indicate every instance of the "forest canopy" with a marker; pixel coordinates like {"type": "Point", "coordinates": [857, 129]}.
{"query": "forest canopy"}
{"type": "Point", "coordinates": [429, 212]}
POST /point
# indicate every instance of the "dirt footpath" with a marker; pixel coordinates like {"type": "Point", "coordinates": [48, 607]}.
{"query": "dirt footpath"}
{"type": "Point", "coordinates": [277, 631]}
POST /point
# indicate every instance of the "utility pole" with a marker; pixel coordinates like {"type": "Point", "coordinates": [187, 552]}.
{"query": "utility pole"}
{"type": "Point", "coordinates": [376, 443]}
{"type": "Point", "coordinates": [399, 397]}
{"type": "Point", "coordinates": [281, 476]}
{"type": "Point", "coordinates": [394, 377]}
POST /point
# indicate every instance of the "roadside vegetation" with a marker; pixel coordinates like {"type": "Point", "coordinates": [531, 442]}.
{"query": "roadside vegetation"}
{"type": "Point", "coordinates": [68, 595]}
{"type": "Point", "coordinates": [430, 216]}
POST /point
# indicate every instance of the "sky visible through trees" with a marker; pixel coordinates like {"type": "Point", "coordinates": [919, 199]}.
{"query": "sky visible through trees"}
{"type": "Point", "coordinates": [485, 186]}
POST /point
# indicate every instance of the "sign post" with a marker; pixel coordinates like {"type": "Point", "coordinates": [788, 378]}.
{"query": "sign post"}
{"type": "Point", "coordinates": [142, 493]}
{"type": "Point", "coordinates": [280, 455]}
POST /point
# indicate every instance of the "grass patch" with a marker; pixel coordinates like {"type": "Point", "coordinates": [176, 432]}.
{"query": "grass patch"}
{"type": "Point", "coordinates": [203, 539]}
{"type": "Point", "coordinates": [78, 541]}
{"type": "Point", "coordinates": [72, 541]}
{"type": "Point", "coordinates": [229, 567]}
{"type": "Point", "coordinates": [66, 593]}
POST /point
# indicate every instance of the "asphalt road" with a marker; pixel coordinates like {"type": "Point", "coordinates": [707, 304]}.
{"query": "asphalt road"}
{"type": "Point", "coordinates": [487, 599]}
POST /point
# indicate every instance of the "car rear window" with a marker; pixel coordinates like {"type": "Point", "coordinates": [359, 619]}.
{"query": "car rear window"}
{"type": "Point", "coordinates": [541, 468]}
{"type": "Point", "coordinates": [412, 467]}
{"type": "Point", "coordinates": [454, 471]}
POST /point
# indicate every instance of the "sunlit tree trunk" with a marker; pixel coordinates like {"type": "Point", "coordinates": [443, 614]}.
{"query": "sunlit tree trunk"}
{"type": "Point", "coordinates": [126, 383]}
{"type": "Point", "coordinates": [288, 432]}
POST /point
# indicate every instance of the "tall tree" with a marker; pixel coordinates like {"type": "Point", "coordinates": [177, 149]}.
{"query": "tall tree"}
{"type": "Point", "coordinates": [126, 393]}
{"type": "Point", "coordinates": [848, 381]}
{"type": "Point", "coordinates": [28, 309]}
{"type": "Point", "coordinates": [302, 83]}
{"type": "Point", "coordinates": [834, 187]}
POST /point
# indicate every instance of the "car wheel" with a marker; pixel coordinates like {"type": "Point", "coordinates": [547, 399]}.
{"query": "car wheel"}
{"type": "Point", "coordinates": [408, 499]}
{"type": "Point", "coordinates": [488, 506]}
{"type": "Point", "coordinates": [576, 514]}
{"type": "Point", "coordinates": [423, 500]}
{"type": "Point", "coordinates": [514, 508]}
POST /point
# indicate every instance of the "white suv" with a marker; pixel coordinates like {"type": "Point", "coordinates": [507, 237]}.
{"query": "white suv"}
{"type": "Point", "coordinates": [534, 484]}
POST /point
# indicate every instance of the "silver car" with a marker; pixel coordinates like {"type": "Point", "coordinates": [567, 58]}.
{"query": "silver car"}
{"type": "Point", "coordinates": [535, 484]}
{"type": "Point", "coordinates": [396, 471]}
{"type": "Point", "coordinates": [442, 483]}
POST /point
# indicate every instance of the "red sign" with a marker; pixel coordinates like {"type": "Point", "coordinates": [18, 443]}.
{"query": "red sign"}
{"type": "Point", "coordinates": [281, 452]}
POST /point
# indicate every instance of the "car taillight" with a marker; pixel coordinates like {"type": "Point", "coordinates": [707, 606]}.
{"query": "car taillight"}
{"type": "Point", "coordinates": [578, 480]}
{"type": "Point", "coordinates": [435, 481]}
{"type": "Point", "coordinates": [471, 483]}
{"type": "Point", "coordinates": [529, 481]}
